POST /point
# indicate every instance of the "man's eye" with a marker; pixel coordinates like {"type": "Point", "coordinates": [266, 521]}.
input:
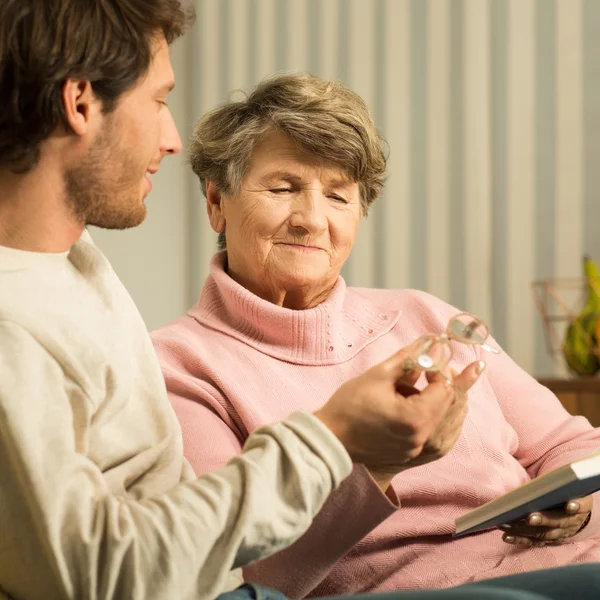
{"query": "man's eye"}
{"type": "Point", "coordinates": [280, 190]}
{"type": "Point", "coordinates": [338, 199]}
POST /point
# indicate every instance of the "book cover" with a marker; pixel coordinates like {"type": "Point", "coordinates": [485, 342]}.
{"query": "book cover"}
{"type": "Point", "coordinates": [553, 489]}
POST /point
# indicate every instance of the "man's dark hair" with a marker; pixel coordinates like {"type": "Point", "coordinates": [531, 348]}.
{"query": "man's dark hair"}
{"type": "Point", "coordinates": [45, 42]}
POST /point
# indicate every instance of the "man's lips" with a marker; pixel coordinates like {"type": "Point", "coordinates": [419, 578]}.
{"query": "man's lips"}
{"type": "Point", "coordinates": [148, 173]}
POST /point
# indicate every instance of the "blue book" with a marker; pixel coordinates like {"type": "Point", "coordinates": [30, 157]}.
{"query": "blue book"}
{"type": "Point", "coordinates": [550, 490]}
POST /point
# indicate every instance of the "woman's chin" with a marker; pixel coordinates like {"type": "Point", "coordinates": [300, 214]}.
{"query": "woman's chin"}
{"type": "Point", "coordinates": [302, 276]}
{"type": "Point", "coordinates": [305, 281]}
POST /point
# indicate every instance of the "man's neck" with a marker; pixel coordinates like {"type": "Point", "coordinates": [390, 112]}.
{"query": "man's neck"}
{"type": "Point", "coordinates": [33, 213]}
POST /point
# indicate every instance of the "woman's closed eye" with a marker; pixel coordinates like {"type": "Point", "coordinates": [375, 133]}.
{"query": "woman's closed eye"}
{"type": "Point", "coordinates": [289, 190]}
{"type": "Point", "coordinates": [338, 198]}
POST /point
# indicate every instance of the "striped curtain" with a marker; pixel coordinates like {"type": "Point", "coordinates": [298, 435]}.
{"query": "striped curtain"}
{"type": "Point", "coordinates": [492, 112]}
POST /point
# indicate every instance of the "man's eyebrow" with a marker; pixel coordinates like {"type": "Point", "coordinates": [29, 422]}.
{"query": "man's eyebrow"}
{"type": "Point", "coordinates": [166, 87]}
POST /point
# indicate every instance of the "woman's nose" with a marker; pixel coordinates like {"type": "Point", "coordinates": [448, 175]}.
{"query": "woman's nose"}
{"type": "Point", "coordinates": [308, 212]}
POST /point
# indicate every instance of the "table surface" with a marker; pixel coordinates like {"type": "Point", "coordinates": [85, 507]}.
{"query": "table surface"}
{"type": "Point", "coordinates": [575, 384]}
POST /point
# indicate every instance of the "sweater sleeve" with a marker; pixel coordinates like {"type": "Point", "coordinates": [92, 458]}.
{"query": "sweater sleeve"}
{"type": "Point", "coordinates": [548, 436]}
{"type": "Point", "coordinates": [350, 513]}
{"type": "Point", "coordinates": [210, 436]}
{"type": "Point", "coordinates": [65, 535]}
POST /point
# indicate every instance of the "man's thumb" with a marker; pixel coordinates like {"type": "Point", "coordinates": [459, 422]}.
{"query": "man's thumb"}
{"type": "Point", "coordinates": [396, 366]}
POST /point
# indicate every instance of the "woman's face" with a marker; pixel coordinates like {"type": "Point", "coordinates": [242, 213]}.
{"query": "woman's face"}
{"type": "Point", "coordinates": [292, 225]}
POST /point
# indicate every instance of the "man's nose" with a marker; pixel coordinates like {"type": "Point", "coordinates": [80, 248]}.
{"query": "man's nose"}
{"type": "Point", "coordinates": [171, 141]}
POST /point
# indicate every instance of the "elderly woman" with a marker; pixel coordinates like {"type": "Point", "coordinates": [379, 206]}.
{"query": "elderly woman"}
{"type": "Point", "coordinates": [288, 174]}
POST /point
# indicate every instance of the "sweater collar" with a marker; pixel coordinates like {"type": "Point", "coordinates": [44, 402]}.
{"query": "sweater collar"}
{"type": "Point", "coordinates": [331, 332]}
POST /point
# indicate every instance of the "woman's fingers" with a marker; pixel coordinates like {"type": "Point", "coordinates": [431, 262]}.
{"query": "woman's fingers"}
{"type": "Point", "coordinates": [549, 526]}
{"type": "Point", "coordinates": [461, 382]}
{"type": "Point", "coordinates": [469, 375]}
{"type": "Point", "coordinates": [541, 533]}
{"type": "Point", "coordinates": [560, 517]}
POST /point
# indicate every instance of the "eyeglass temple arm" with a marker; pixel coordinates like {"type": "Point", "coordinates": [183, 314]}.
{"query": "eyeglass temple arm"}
{"type": "Point", "coordinates": [490, 349]}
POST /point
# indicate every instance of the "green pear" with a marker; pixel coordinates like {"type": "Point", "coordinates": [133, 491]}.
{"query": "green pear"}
{"type": "Point", "coordinates": [579, 347]}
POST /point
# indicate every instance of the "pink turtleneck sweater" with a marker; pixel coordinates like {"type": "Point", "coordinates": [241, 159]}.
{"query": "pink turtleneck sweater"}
{"type": "Point", "coordinates": [235, 362]}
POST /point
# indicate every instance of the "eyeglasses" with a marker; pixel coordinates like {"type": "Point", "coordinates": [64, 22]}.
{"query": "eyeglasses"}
{"type": "Point", "coordinates": [433, 351]}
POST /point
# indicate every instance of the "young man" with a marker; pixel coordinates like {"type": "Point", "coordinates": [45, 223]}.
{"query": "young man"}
{"type": "Point", "coordinates": [96, 500]}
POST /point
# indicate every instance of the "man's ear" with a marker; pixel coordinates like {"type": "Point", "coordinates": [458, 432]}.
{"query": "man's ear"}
{"type": "Point", "coordinates": [214, 206]}
{"type": "Point", "coordinates": [78, 98]}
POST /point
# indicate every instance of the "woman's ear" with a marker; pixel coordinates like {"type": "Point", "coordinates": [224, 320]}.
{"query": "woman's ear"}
{"type": "Point", "coordinates": [214, 206]}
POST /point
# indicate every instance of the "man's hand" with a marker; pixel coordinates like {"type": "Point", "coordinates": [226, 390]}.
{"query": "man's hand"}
{"type": "Point", "coordinates": [549, 527]}
{"type": "Point", "coordinates": [389, 428]}
{"type": "Point", "coordinates": [443, 437]}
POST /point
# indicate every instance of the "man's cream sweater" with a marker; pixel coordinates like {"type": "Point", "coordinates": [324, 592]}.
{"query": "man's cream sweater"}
{"type": "Point", "coordinates": [96, 499]}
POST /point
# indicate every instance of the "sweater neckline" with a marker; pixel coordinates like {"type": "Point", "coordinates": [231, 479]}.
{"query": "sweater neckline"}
{"type": "Point", "coordinates": [334, 331]}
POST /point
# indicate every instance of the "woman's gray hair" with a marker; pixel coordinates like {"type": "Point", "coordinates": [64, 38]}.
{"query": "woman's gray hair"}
{"type": "Point", "coordinates": [324, 118]}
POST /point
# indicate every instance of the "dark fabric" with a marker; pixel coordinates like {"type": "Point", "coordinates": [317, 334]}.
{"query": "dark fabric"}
{"type": "Point", "coordinates": [251, 591]}
{"type": "Point", "coordinates": [575, 582]}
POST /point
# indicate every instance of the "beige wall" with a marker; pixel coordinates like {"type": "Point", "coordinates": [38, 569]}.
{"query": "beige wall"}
{"type": "Point", "coordinates": [492, 112]}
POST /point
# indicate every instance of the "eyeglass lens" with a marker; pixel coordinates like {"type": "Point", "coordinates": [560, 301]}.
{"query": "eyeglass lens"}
{"type": "Point", "coordinates": [431, 352]}
{"type": "Point", "coordinates": [468, 329]}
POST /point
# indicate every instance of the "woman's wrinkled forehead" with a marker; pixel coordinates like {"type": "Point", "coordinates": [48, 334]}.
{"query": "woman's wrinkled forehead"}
{"type": "Point", "coordinates": [277, 156]}
{"type": "Point", "coordinates": [303, 174]}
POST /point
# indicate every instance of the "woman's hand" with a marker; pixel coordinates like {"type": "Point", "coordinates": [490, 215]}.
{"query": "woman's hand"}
{"type": "Point", "coordinates": [549, 527]}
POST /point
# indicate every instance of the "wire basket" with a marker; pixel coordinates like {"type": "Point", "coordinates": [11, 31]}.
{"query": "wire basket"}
{"type": "Point", "coordinates": [559, 302]}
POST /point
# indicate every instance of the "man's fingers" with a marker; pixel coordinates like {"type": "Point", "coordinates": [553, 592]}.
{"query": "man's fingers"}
{"type": "Point", "coordinates": [465, 380]}
{"type": "Point", "coordinates": [410, 377]}
{"type": "Point", "coordinates": [447, 374]}
{"type": "Point", "coordinates": [394, 366]}
{"type": "Point", "coordinates": [405, 389]}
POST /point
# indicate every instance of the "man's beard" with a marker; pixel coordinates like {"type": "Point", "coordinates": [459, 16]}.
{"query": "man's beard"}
{"type": "Point", "coordinates": [100, 189]}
